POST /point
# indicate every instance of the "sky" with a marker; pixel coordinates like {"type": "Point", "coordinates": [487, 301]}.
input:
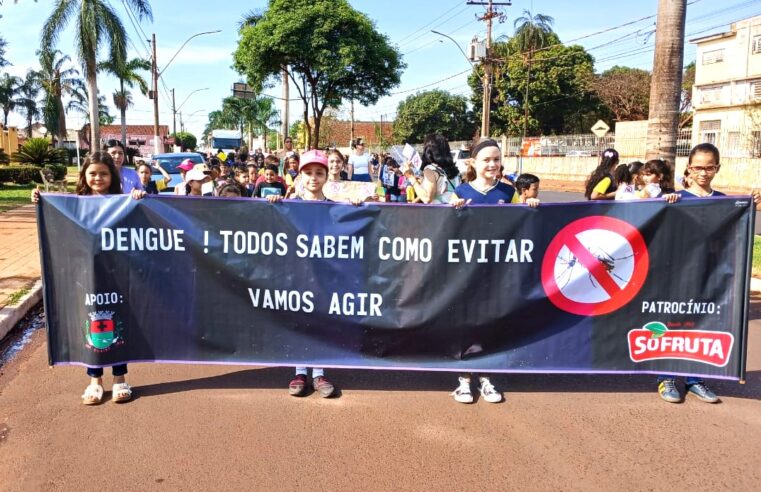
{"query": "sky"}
{"type": "Point", "coordinates": [201, 74]}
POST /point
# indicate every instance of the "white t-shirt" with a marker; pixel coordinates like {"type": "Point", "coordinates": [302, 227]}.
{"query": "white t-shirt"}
{"type": "Point", "coordinates": [626, 192]}
{"type": "Point", "coordinates": [361, 163]}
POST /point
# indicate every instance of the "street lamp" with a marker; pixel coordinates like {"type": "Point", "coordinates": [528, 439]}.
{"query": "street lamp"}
{"type": "Point", "coordinates": [456, 44]}
{"type": "Point", "coordinates": [156, 74]}
{"type": "Point", "coordinates": [176, 109]}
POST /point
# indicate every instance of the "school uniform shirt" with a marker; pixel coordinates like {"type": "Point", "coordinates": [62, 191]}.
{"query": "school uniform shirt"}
{"type": "Point", "coordinates": [499, 193]}
{"type": "Point", "coordinates": [264, 190]}
{"type": "Point", "coordinates": [626, 192]}
{"type": "Point", "coordinates": [605, 186]}
{"type": "Point", "coordinates": [130, 180]}
{"type": "Point", "coordinates": [687, 195]}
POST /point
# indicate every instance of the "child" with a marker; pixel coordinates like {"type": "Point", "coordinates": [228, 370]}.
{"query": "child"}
{"type": "Point", "coordinates": [195, 179]}
{"type": "Point", "coordinates": [626, 180]}
{"type": "Point", "coordinates": [230, 190]}
{"type": "Point", "coordinates": [313, 171]}
{"type": "Point", "coordinates": [152, 187]}
{"type": "Point", "coordinates": [184, 167]}
{"type": "Point", "coordinates": [291, 169]}
{"type": "Point", "coordinates": [99, 176]}
{"type": "Point", "coordinates": [391, 175]}
{"type": "Point", "coordinates": [242, 178]}
{"type": "Point", "coordinates": [703, 164]}
{"type": "Point", "coordinates": [336, 166]}
{"type": "Point", "coordinates": [527, 186]}
{"type": "Point", "coordinates": [270, 185]}
{"type": "Point", "coordinates": [600, 184]}
{"type": "Point", "coordinates": [483, 186]}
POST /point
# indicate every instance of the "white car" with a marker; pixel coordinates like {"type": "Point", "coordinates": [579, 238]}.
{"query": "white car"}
{"type": "Point", "coordinates": [459, 157]}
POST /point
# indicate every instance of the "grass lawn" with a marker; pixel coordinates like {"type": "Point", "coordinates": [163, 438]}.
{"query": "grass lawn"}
{"type": "Point", "coordinates": [14, 195]}
{"type": "Point", "coordinates": [756, 256]}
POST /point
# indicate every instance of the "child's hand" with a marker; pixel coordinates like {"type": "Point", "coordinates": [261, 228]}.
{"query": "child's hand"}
{"type": "Point", "coordinates": [274, 198]}
{"type": "Point", "coordinates": [460, 202]}
{"type": "Point", "coordinates": [671, 197]}
{"type": "Point", "coordinates": [138, 194]}
{"type": "Point", "coordinates": [756, 195]}
{"type": "Point", "coordinates": [357, 201]}
{"type": "Point", "coordinates": [532, 202]}
{"type": "Point", "coordinates": [36, 195]}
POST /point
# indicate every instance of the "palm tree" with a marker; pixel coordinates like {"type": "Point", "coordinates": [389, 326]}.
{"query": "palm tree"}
{"type": "Point", "coordinates": [96, 22]}
{"type": "Point", "coordinates": [9, 85]}
{"type": "Point", "coordinates": [27, 101]}
{"type": "Point", "coordinates": [532, 32]}
{"type": "Point", "coordinates": [57, 81]}
{"type": "Point", "coordinates": [127, 73]}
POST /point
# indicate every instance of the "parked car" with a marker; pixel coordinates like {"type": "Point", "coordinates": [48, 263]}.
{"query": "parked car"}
{"type": "Point", "coordinates": [169, 163]}
{"type": "Point", "coordinates": [459, 156]}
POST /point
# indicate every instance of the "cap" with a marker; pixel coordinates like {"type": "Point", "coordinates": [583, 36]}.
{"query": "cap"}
{"type": "Point", "coordinates": [196, 175]}
{"type": "Point", "coordinates": [313, 157]}
{"type": "Point", "coordinates": [186, 165]}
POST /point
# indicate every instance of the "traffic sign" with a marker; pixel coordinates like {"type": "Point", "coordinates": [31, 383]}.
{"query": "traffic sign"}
{"type": "Point", "coordinates": [600, 128]}
{"type": "Point", "coordinates": [594, 266]}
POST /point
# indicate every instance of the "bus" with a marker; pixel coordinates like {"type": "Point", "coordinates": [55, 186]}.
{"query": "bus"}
{"type": "Point", "coordinates": [227, 140]}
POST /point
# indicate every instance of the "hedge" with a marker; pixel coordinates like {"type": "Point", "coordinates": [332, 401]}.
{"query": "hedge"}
{"type": "Point", "coordinates": [27, 174]}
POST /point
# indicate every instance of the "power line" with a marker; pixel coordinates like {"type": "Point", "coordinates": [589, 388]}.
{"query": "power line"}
{"type": "Point", "coordinates": [457, 3]}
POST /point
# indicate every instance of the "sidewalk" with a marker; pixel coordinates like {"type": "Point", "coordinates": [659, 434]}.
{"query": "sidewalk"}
{"type": "Point", "coordinates": [19, 251]}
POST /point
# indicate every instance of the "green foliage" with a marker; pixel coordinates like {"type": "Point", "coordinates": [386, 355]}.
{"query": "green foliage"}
{"type": "Point", "coordinates": [625, 91]}
{"type": "Point", "coordinates": [560, 96]}
{"type": "Point", "coordinates": [37, 151]}
{"type": "Point", "coordinates": [332, 47]}
{"type": "Point", "coordinates": [4, 158]}
{"type": "Point", "coordinates": [433, 111]}
{"type": "Point", "coordinates": [28, 174]}
{"type": "Point", "coordinates": [186, 140]}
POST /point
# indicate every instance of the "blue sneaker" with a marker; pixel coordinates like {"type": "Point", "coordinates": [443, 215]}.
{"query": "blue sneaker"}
{"type": "Point", "coordinates": [702, 392]}
{"type": "Point", "coordinates": [667, 390]}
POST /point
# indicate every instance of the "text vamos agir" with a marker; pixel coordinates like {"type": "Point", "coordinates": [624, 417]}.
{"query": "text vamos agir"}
{"type": "Point", "coordinates": [320, 246]}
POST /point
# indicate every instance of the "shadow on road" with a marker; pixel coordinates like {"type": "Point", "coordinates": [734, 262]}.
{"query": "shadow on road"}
{"type": "Point", "coordinates": [378, 380]}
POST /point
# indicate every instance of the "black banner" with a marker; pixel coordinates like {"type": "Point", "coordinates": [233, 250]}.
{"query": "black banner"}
{"type": "Point", "coordinates": [602, 287]}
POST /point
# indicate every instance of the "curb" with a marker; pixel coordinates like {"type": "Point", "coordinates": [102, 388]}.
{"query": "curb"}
{"type": "Point", "coordinates": [10, 315]}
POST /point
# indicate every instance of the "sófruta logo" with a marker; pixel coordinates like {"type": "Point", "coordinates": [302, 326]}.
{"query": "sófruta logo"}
{"type": "Point", "coordinates": [103, 331]}
{"type": "Point", "coordinates": [655, 341]}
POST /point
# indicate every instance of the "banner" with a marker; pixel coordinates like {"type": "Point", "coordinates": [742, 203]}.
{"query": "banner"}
{"type": "Point", "coordinates": [600, 287]}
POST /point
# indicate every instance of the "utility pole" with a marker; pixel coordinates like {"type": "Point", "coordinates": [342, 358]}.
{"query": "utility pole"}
{"type": "Point", "coordinates": [285, 103]}
{"type": "Point", "coordinates": [665, 90]}
{"type": "Point", "coordinates": [352, 120]}
{"type": "Point", "coordinates": [487, 62]}
{"type": "Point", "coordinates": [155, 72]}
{"type": "Point", "coordinates": [174, 116]}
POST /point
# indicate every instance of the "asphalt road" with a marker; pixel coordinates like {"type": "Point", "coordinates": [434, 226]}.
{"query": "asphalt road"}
{"type": "Point", "coordinates": [236, 428]}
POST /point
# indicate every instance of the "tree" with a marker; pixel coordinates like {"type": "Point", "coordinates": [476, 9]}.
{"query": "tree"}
{"type": "Point", "coordinates": [79, 103]}
{"type": "Point", "coordinates": [666, 89]}
{"type": "Point", "coordinates": [433, 111]}
{"type": "Point", "coordinates": [56, 81]}
{"type": "Point", "coordinates": [3, 61]}
{"type": "Point", "coordinates": [685, 107]}
{"type": "Point", "coordinates": [27, 100]}
{"type": "Point", "coordinates": [532, 32]}
{"type": "Point", "coordinates": [9, 85]}
{"type": "Point", "coordinates": [560, 96]}
{"type": "Point", "coordinates": [186, 140]}
{"type": "Point", "coordinates": [128, 73]}
{"type": "Point", "coordinates": [332, 52]}
{"type": "Point", "coordinates": [625, 91]}
{"type": "Point", "coordinates": [97, 23]}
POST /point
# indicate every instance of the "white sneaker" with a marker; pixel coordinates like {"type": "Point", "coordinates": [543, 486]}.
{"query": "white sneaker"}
{"type": "Point", "coordinates": [462, 394]}
{"type": "Point", "coordinates": [489, 392]}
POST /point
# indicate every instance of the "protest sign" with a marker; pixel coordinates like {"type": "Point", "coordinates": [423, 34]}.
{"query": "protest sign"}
{"type": "Point", "coordinates": [613, 287]}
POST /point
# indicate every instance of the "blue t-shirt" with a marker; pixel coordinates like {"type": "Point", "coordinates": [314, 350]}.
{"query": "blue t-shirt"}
{"type": "Point", "coordinates": [130, 180]}
{"type": "Point", "coordinates": [499, 193]}
{"type": "Point", "coordinates": [687, 195]}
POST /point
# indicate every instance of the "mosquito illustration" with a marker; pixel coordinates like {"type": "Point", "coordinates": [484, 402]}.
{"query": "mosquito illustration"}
{"type": "Point", "coordinates": [605, 258]}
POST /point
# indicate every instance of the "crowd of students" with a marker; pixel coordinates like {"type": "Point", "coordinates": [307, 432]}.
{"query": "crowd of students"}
{"type": "Point", "coordinates": [290, 175]}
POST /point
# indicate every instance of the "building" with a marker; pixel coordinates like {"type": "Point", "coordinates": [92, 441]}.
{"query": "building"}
{"type": "Point", "coordinates": [337, 133]}
{"type": "Point", "coordinates": [726, 97]}
{"type": "Point", "coordinates": [138, 136]}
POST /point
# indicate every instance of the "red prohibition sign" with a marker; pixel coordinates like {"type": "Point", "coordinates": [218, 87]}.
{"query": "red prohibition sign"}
{"type": "Point", "coordinates": [594, 266]}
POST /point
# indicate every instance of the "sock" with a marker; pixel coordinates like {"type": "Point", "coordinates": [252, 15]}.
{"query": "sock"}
{"type": "Point", "coordinates": [317, 372]}
{"type": "Point", "coordinates": [301, 370]}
